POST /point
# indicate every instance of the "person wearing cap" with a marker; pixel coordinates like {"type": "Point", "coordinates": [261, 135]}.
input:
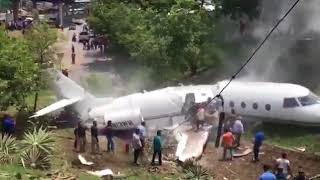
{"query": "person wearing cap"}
{"type": "Point", "coordinates": [237, 130]}
{"type": "Point", "coordinates": [137, 146]}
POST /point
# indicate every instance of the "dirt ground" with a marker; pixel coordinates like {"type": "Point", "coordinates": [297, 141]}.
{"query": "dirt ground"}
{"type": "Point", "coordinates": [238, 169]}
{"type": "Point", "coordinates": [242, 168]}
{"type": "Point", "coordinates": [120, 161]}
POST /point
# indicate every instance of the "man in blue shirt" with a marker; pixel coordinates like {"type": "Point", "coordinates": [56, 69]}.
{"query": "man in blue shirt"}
{"type": "Point", "coordinates": [267, 175]}
{"type": "Point", "coordinates": [258, 140]}
{"type": "Point", "coordinates": [8, 125]}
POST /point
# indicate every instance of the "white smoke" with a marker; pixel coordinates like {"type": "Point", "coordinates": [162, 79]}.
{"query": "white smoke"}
{"type": "Point", "coordinates": [303, 19]}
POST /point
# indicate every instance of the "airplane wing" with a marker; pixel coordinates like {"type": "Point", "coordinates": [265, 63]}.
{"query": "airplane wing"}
{"type": "Point", "coordinates": [55, 106]}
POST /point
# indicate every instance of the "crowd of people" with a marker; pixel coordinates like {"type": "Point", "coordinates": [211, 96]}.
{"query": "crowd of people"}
{"type": "Point", "coordinates": [231, 141]}
{"type": "Point", "coordinates": [138, 140]}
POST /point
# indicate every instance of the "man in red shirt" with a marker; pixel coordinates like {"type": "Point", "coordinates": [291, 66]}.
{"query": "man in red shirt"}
{"type": "Point", "coordinates": [227, 143]}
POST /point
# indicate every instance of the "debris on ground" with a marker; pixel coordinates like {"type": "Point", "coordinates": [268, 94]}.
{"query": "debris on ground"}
{"type": "Point", "coordinates": [101, 173]}
{"type": "Point", "coordinates": [84, 161]}
{"type": "Point", "coordinates": [191, 144]}
{"type": "Point", "coordinates": [302, 149]}
{"type": "Point", "coordinates": [242, 153]}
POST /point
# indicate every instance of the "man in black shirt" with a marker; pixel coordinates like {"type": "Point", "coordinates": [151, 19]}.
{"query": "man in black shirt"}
{"type": "Point", "coordinates": [94, 138]}
{"type": "Point", "coordinates": [81, 136]}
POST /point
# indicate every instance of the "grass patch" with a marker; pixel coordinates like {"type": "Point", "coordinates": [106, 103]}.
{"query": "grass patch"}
{"type": "Point", "coordinates": [16, 171]}
{"type": "Point", "coordinates": [290, 135]}
{"type": "Point", "coordinates": [45, 98]}
{"type": "Point", "coordinates": [143, 174]}
{"type": "Point", "coordinates": [84, 176]}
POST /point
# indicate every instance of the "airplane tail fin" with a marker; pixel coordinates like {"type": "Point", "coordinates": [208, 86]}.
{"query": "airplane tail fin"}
{"type": "Point", "coordinates": [68, 91]}
{"type": "Point", "coordinates": [65, 87]}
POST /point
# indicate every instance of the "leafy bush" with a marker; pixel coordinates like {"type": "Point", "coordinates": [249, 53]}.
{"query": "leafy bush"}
{"type": "Point", "coordinates": [8, 149]}
{"type": "Point", "coordinates": [35, 159]}
{"type": "Point", "coordinates": [193, 171]}
{"type": "Point", "coordinates": [37, 148]}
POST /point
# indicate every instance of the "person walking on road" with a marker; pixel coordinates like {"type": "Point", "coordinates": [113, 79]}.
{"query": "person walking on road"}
{"type": "Point", "coordinates": [94, 138]}
{"type": "Point", "coordinates": [237, 130]}
{"type": "Point", "coordinates": [72, 48]}
{"type": "Point", "coordinates": [109, 134]}
{"type": "Point", "coordinates": [157, 147]}
{"type": "Point", "coordinates": [73, 57]}
{"type": "Point", "coordinates": [257, 143]}
{"type": "Point", "coordinates": [137, 146]}
{"type": "Point", "coordinates": [267, 174]}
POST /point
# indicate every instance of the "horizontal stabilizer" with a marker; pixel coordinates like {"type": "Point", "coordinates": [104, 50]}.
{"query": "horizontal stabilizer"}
{"type": "Point", "coordinates": [55, 106]}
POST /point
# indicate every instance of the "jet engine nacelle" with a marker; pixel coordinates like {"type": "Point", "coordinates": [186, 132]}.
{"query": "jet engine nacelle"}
{"type": "Point", "coordinates": [124, 118]}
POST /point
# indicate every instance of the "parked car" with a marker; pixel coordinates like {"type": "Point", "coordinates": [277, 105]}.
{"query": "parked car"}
{"type": "Point", "coordinates": [84, 36]}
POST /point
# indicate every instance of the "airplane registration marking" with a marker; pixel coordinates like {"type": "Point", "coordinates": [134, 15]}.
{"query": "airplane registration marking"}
{"type": "Point", "coordinates": [123, 124]}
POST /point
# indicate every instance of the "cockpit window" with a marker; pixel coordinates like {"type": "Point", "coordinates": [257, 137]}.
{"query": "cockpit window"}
{"type": "Point", "coordinates": [308, 100]}
{"type": "Point", "coordinates": [290, 103]}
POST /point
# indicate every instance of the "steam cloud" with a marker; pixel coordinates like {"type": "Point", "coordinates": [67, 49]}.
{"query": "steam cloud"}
{"type": "Point", "coordinates": [292, 48]}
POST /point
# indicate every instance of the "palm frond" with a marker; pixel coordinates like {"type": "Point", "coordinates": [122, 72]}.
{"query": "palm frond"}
{"type": "Point", "coordinates": [37, 148]}
{"type": "Point", "coordinates": [8, 149]}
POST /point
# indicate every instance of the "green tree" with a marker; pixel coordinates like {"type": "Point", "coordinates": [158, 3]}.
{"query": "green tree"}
{"type": "Point", "coordinates": [4, 4]}
{"type": "Point", "coordinates": [238, 8]}
{"type": "Point", "coordinates": [17, 71]}
{"type": "Point", "coordinates": [169, 36]}
{"type": "Point", "coordinates": [40, 40]}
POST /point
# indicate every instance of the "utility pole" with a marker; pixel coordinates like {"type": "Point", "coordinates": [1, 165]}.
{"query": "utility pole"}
{"type": "Point", "coordinates": [221, 121]}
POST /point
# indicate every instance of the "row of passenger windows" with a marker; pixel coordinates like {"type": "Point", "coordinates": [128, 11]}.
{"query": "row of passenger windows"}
{"type": "Point", "coordinates": [254, 105]}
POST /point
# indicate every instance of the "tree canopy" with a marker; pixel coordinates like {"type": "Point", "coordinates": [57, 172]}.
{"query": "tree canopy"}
{"type": "Point", "coordinates": [169, 36]}
{"type": "Point", "coordinates": [18, 71]}
{"type": "Point", "coordinates": [5, 4]}
{"type": "Point", "coordinates": [40, 39]}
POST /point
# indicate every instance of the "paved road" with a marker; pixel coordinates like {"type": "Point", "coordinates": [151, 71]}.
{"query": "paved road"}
{"type": "Point", "coordinates": [86, 60]}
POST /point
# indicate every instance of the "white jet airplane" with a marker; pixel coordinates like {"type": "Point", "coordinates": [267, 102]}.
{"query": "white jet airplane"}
{"type": "Point", "coordinates": [282, 102]}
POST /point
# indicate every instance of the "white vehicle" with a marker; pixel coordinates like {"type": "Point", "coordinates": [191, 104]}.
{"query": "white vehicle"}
{"type": "Point", "coordinates": [84, 36]}
{"type": "Point", "coordinates": [284, 102]}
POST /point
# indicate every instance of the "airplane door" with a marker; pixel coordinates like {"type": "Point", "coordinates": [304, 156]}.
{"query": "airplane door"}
{"type": "Point", "coordinates": [189, 98]}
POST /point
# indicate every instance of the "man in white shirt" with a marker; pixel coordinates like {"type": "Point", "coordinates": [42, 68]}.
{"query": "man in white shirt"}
{"type": "Point", "coordinates": [237, 130]}
{"type": "Point", "coordinates": [137, 146]}
{"type": "Point", "coordinates": [143, 133]}
{"type": "Point", "coordinates": [284, 164]}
